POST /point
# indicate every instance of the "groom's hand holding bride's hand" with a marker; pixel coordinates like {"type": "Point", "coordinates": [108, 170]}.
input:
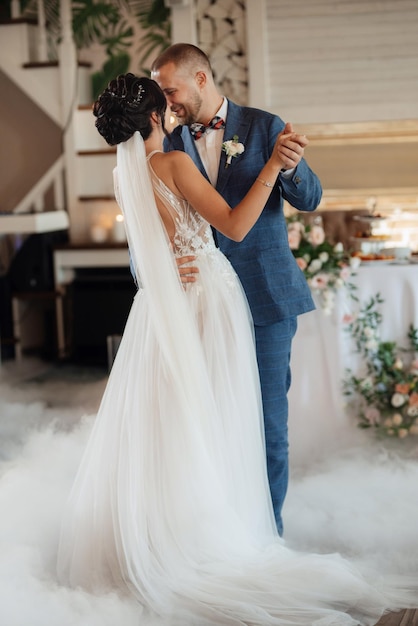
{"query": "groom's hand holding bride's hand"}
{"type": "Point", "coordinates": [187, 274]}
{"type": "Point", "coordinates": [290, 147]}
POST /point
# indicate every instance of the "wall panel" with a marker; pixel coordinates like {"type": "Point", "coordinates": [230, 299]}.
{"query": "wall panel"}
{"type": "Point", "coordinates": [336, 60]}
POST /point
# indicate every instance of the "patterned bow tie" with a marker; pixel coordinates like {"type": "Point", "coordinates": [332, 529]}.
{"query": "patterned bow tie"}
{"type": "Point", "coordinates": [197, 129]}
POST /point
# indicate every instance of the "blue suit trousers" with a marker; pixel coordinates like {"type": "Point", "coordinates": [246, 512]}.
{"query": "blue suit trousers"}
{"type": "Point", "coordinates": [274, 343]}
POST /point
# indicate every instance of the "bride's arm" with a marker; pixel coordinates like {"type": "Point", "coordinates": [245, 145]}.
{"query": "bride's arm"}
{"type": "Point", "coordinates": [210, 204]}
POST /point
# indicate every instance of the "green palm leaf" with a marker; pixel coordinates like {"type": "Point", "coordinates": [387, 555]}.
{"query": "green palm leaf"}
{"type": "Point", "coordinates": [114, 66]}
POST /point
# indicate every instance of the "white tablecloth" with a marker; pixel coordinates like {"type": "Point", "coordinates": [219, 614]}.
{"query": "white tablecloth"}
{"type": "Point", "coordinates": [322, 350]}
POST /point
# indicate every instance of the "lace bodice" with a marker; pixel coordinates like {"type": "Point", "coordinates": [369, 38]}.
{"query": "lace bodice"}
{"type": "Point", "coordinates": [193, 234]}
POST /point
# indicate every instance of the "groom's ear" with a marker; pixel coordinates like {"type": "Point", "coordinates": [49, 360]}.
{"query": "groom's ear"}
{"type": "Point", "coordinates": [201, 79]}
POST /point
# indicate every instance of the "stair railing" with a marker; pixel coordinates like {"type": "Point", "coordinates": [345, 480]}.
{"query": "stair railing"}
{"type": "Point", "coordinates": [68, 74]}
{"type": "Point", "coordinates": [34, 201]}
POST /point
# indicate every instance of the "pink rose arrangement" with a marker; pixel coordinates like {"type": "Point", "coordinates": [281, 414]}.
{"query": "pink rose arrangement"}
{"type": "Point", "coordinates": [327, 267]}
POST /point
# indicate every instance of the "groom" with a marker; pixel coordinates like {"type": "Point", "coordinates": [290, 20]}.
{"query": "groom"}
{"type": "Point", "coordinates": [274, 285]}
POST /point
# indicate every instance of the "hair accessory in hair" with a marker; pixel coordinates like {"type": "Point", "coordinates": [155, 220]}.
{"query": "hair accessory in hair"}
{"type": "Point", "coordinates": [141, 90]}
{"type": "Point", "coordinates": [125, 94]}
{"type": "Point", "coordinates": [126, 106]}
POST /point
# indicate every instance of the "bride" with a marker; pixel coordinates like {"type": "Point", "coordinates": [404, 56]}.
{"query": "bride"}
{"type": "Point", "coordinates": [171, 502]}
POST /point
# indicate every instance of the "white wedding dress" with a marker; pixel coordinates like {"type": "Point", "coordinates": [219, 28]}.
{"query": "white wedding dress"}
{"type": "Point", "coordinates": [171, 502]}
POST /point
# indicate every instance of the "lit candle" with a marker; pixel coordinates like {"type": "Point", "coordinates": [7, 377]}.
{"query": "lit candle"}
{"type": "Point", "coordinates": [118, 232]}
{"type": "Point", "coordinates": [98, 233]}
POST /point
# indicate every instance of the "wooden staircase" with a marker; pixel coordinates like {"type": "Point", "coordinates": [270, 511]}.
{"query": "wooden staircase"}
{"type": "Point", "coordinates": [95, 161]}
{"type": "Point", "coordinates": [73, 192]}
{"type": "Point", "coordinates": [83, 186]}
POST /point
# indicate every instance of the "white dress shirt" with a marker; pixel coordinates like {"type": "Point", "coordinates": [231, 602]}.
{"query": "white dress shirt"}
{"type": "Point", "coordinates": [209, 146]}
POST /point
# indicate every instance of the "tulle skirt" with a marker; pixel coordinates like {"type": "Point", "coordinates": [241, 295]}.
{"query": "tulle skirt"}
{"type": "Point", "coordinates": [171, 502]}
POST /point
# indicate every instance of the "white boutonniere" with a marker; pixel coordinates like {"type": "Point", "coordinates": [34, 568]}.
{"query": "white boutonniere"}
{"type": "Point", "coordinates": [232, 148]}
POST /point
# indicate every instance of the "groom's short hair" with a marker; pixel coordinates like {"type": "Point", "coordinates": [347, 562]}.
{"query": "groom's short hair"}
{"type": "Point", "coordinates": [183, 54]}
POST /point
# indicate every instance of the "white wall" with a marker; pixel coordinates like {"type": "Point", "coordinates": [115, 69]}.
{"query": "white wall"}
{"type": "Point", "coordinates": [322, 61]}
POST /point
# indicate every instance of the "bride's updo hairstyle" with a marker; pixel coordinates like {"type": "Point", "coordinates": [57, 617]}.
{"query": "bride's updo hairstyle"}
{"type": "Point", "coordinates": [125, 106]}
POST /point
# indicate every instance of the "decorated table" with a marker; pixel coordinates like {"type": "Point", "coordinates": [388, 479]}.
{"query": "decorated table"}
{"type": "Point", "coordinates": [323, 349]}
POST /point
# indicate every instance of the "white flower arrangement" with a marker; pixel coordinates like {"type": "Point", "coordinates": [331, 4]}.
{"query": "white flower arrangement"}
{"type": "Point", "coordinates": [232, 148]}
{"type": "Point", "coordinates": [384, 393]}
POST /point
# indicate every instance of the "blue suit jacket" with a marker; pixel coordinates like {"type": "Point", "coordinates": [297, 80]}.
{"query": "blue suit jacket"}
{"type": "Point", "coordinates": [275, 286]}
